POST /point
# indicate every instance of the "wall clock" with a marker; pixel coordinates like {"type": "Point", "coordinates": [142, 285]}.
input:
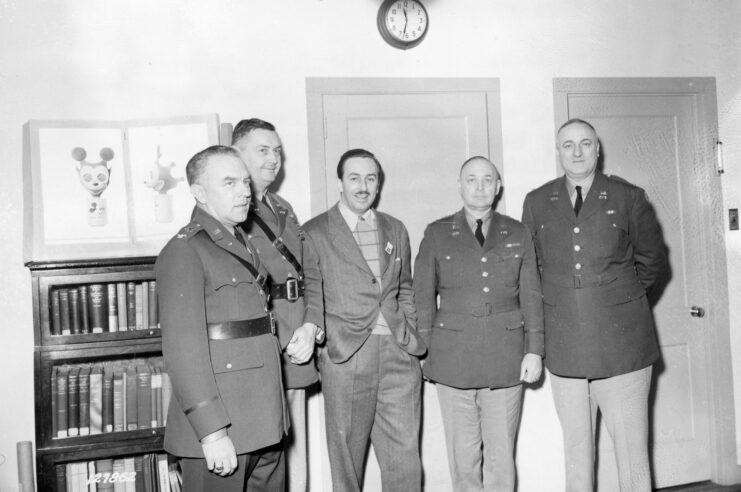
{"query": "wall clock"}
{"type": "Point", "coordinates": [402, 23]}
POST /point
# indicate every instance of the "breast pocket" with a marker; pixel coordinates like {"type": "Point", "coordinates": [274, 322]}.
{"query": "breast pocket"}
{"type": "Point", "coordinates": [610, 236]}
{"type": "Point", "coordinates": [450, 269]}
{"type": "Point", "coordinates": [508, 263]}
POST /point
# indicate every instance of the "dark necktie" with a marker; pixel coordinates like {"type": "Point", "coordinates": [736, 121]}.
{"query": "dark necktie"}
{"type": "Point", "coordinates": [239, 237]}
{"type": "Point", "coordinates": [579, 201]}
{"type": "Point", "coordinates": [267, 205]}
{"type": "Point", "coordinates": [479, 234]}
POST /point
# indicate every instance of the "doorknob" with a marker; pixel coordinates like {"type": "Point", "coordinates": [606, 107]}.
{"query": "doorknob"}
{"type": "Point", "coordinates": [697, 311]}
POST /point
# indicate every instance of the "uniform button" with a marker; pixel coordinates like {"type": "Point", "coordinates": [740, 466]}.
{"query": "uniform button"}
{"type": "Point", "coordinates": [373, 280]}
{"type": "Point", "coordinates": [483, 259]}
{"type": "Point", "coordinates": [442, 324]}
{"type": "Point", "coordinates": [234, 280]}
{"type": "Point", "coordinates": [576, 230]}
{"type": "Point", "coordinates": [229, 366]}
{"type": "Point", "coordinates": [485, 274]}
{"type": "Point", "coordinates": [262, 293]}
{"type": "Point", "coordinates": [577, 247]}
{"type": "Point", "coordinates": [447, 257]}
{"type": "Point", "coordinates": [578, 266]}
{"type": "Point", "coordinates": [486, 289]}
{"type": "Point", "coordinates": [517, 256]}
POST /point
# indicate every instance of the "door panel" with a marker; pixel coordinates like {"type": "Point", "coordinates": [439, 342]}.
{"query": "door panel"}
{"type": "Point", "coordinates": [421, 140]}
{"type": "Point", "coordinates": [653, 140]}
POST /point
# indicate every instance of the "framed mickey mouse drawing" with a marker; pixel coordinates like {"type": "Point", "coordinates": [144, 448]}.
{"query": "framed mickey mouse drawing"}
{"type": "Point", "coordinates": [100, 189]}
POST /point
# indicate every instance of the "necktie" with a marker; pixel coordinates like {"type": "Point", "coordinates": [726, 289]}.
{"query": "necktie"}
{"type": "Point", "coordinates": [239, 237]}
{"type": "Point", "coordinates": [579, 201]}
{"type": "Point", "coordinates": [479, 234]}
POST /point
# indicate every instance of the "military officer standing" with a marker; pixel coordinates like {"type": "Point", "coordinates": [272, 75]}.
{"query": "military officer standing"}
{"type": "Point", "coordinates": [486, 337]}
{"type": "Point", "coordinates": [295, 285]}
{"type": "Point", "coordinates": [600, 249]}
{"type": "Point", "coordinates": [227, 418]}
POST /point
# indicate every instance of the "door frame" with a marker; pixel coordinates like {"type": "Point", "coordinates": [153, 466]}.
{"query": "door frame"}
{"type": "Point", "coordinates": [724, 462]}
{"type": "Point", "coordinates": [318, 87]}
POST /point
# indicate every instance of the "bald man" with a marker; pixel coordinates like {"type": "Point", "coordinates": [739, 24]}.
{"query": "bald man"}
{"type": "Point", "coordinates": [600, 249]}
{"type": "Point", "coordinates": [486, 338]}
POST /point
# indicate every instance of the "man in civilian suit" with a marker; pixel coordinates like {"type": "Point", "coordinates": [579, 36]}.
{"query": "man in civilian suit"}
{"type": "Point", "coordinates": [600, 249]}
{"type": "Point", "coordinates": [370, 373]}
{"type": "Point", "coordinates": [295, 291]}
{"type": "Point", "coordinates": [486, 338]}
{"type": "Point", "coordinates": [227, 418]}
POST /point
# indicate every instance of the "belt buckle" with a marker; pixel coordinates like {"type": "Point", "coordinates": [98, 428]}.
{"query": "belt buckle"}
{"type": "Point", "coordinates": [292, 293]}
{"type": "Point", "coordinates": [272, 323]}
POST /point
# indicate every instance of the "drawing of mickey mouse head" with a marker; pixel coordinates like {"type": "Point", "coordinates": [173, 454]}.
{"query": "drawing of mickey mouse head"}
{"type": "Point", "coordinates": [95, 177]}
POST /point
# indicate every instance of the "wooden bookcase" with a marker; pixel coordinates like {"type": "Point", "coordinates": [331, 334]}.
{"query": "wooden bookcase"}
{"type": "Point", "coordinates": [56, 350]}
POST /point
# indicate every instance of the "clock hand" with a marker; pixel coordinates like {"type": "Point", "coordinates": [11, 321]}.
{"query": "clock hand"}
{"type": "Point", "coordinates": [406, 20]}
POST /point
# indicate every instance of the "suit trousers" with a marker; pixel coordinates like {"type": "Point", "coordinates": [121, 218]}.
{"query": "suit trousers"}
{"type": "Point", "coordinates": [480, 429]}
{"type": "Point", "coordinates": [623, 402]}
{"type": "Point", "coordinates": [375, 395]}
{"type": "Point", "coordinates": [261, 471]}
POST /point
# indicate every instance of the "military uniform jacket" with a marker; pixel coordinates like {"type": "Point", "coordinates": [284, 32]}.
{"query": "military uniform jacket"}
{"type": "Point", "coordinates": [216, 383]}
{"type": "Point", "coordinates": [352, 298]}
{"type": "Point", "coordinates": [595, 270]}
{"type": "Point", "coordinates": [491, 310]}
{"type": "Point", "coordinates": [307, 309]}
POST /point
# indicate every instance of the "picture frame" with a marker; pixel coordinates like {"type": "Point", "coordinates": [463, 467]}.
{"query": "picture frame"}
{"type": "Point", "coordinates": [102, 189]}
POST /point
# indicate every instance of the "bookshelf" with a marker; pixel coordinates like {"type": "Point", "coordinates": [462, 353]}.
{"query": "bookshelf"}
{"type": "Point", "coordinates": [125, 351]}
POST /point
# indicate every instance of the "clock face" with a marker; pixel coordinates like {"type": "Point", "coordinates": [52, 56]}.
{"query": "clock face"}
{"type": "Point", "coordinates": [406, 20]}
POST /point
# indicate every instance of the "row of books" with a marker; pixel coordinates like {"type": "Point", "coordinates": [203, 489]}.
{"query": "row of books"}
{"type": "Point", "coordinates": [143, 473]}
{"type": "Point", "coordinates": [114, 396]}
{"type": "Point", "coordinates": [101, 308]}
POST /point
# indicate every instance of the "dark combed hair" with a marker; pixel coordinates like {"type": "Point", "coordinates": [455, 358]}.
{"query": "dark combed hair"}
{"type": "Point", "coordinates": [197, 164]}
{"type": "Point", "coordinates": [244, 127]}
{"type": "Point", "coordinates": [573, 121]}
{"type": "Point", "coordinates": [356, 153]}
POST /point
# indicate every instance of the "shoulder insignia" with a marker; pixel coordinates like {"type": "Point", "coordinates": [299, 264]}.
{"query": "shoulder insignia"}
{"type": "Point", "coordinates": [189, 231]}
{"type": "Point", "coordinates": [454, 229]}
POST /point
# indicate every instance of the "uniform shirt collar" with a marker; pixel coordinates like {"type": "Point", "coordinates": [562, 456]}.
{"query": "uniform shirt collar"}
{"type": "Point", "coordinates": [471, 219]}
{"type": "Point", "coordinates": [585, 186]}
{"type": "Point", "coordinates": [351, 218]}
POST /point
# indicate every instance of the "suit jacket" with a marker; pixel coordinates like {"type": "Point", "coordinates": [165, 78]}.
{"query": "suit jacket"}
{"type": "Point", "coordinates": [233, 383]}
{"type": "Point", "coordinates": [289, 315]}
{"type": "Point", "coordinates": [596, 269]}
{"type": "Point", "coordinates": [491, 309]}
{"type": "Point", "coordinates": [352, 299]}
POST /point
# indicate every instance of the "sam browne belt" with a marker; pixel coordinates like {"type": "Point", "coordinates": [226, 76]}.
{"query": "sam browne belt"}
{"type": "Point", "coordinates": [291, 290]}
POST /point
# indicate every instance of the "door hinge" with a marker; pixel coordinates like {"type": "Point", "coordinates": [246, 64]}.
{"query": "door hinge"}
{"type": "Point", "coordinates": [719, 165]}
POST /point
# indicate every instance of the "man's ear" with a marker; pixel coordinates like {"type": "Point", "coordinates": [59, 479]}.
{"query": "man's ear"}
{"type": "Point", "coordinates": [498, 187]}
{"type": "Point", "coordinates": [198, 193]}
{"type": "Point", "coordinates": [339, 185]}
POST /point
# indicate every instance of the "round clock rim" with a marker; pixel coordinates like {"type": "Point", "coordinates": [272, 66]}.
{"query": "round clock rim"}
{"type": "Point", "coordinates": [393, 40]}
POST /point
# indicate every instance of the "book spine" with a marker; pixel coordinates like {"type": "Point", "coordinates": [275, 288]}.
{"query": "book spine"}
{"type": "Point", "coordinates": [108, 400]}
{"type": "Point", "coordinates": [118, 401]}
{"type": "Point", "coordinates": [163, 472]}
{"type": "Point", "coordinates": [145, 305]}
{"type": "Point", "coordinates": [156, 397]}
{"type": "Point", "coordinates": [61, 478]}
{"type": "Point", "coordinates": [118, 469]}
{"type": "Point", "coordinates": [98, 308]}
{"type": "Point", "coordinates": [56, 315]}
{"type": "Point", "coordinates": [96, 400]}
{"type": "Point", "coordinates": [153, 312]}
{"type": "Point", "coordinates": [123, 324]}
{"type": "Point", "coordinates": [64, 311]}
{"type": "Point", "coordinates": [54, 424]}
{"type": "Point", "coordinates": [91, 485]}
{"type": "Point", "coordinates": [73, 401]}
{"type": "Point", "coordinates": [139, 307]}
{"type": "Point", "coordinates": [131, 304]}
{"type": "Point", "coordinates": [105, 468]}
{"type": "Point", "coordinates": [166, 396]}
{"type": "Point", "coordinates": [62, 401]}
{"type": "Point", "coordinates": [129, 471]}
{"type": "Point", "coordinates": [144, 394]}
{"type": "Point", "coordinates": [112, 308]}
{"type": "Point", "coordinates": [84, 308]}
{"type": "Point", "coordinates": [131, 398]}
{"type": "Point", "coordinates": [84, 401]}
{"type": "Point", "coordinates": [74, 311]}
{"type": "Point", "coordinates": [139, 471]}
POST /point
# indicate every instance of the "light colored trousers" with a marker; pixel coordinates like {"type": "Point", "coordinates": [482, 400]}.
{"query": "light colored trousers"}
{"type": "Point", "coordinates": [623, 402]}
{"type": "Point", "coordinates": [480, 428]}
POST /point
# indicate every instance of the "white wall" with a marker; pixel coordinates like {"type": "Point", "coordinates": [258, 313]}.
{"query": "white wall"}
{"type": "Point", "coordinates": [120, 59]}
